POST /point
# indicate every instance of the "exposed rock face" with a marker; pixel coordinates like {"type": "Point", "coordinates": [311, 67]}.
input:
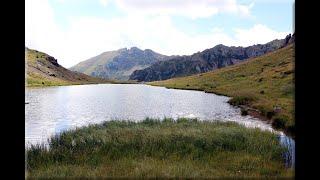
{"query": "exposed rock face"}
{"type": "Point", "coordinates": [292, 39]}
{"type": "Point", "coordinates": [207, 60]}
{"type": "Point", "coordinates": [53, 61]}
{"type": "Point", "coordinates": [118, 64]}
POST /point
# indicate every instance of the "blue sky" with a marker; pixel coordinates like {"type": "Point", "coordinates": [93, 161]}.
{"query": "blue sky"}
{"type": "Point", "coordinates": [75, 30]}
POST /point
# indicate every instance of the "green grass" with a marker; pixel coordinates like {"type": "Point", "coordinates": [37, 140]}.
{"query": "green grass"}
{"type": "Point", "coordinates": [32, 56]}
{"type": "Point", "coordinates": [35, 80]}
{"type": "Point", "coordinates": [264, 83]}
{"type": "Point", "coordinates": [154, 148]}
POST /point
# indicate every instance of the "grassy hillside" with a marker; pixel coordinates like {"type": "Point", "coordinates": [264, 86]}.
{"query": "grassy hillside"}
{"type": "Point", "coordinates": [185, 148]}
{"type": "Point", "coordinates": [44, 70]}
{"type": "Point", "coordinates": [265, 83]}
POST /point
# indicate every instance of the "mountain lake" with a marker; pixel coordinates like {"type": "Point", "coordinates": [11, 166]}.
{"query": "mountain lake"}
{"type": "Point", "coordinates": [51, 110]}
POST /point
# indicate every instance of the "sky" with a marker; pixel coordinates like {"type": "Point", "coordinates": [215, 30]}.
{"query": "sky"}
{"type": "Point", "coordinates": [76, 30]}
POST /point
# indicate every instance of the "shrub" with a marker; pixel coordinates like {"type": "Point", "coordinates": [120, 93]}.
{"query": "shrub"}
{"type": "Point", "coordinates": [270, 114]}
{"type": "Point", "coordinates": [241, 100]}
{"type": "Point", "coordinates": [289, 72]}
{"type": "Point", "coordinates": [150, 121]}
{"type": "Point", "coordinates": [265, 111]}
{"type": "Point", "coordinates": [244, 112]}
{"type": "Point", "coordinates": [187, 120]}
{"type": "Point", "coordinates": [291, 129]}
{"type": "Point", "coordinates": [280, 121]}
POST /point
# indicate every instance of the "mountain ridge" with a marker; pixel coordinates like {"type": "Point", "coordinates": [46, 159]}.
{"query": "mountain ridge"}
{"type": "Point", "coordinates": [207, 60]}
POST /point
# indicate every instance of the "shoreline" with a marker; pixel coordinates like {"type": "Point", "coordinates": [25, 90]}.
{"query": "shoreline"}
{"type": "Point", "coordinates": [251, 111]}
{"type": "Point", "coordinates": [71, 84]}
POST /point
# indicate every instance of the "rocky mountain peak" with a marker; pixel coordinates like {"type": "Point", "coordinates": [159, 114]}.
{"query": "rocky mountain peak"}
{"type": "Point", "coordinates": [118, 64]}
{"type": "Point", "coordinates": [134, 48]}
{"type": "Point", "coordinates": [220, 46]}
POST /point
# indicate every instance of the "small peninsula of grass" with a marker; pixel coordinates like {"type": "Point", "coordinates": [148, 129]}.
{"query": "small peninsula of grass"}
{"type": "Point", "coordinates": [264, 83]}
{"type": "Point", "coordinates": [185, 148]}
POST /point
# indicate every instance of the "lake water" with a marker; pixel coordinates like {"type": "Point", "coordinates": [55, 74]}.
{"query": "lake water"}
{"type": "Point", "coordinates": [51, 110]}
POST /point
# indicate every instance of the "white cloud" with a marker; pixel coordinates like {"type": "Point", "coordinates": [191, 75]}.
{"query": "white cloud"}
{"type": "Point", "coordinates": [41, 31]}
{"type": "Point", "coordinates": [86, 37]}
{"type": "Point", "coordinates": [257, 34]}
{"type": "Point", "coordinates": [187, 8]}
{"type": "Point", "coordinates": [274, 1]}
{"type": "Point", "coordinates": [104, 2]}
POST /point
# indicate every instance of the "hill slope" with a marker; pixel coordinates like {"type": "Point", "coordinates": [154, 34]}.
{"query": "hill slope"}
{"type": "Point", "coordinates": [207, 60]}
{"type": "Point", "coordinates": [118, 64]}
{"type": "Point", "coordinates": [44, 70]}
{"type": "Point", "coordinates": [265, 83]}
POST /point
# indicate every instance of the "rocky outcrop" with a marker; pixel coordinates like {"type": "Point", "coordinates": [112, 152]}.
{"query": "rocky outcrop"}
{"type": "Point", "coordinates": [207, 60]}
{"type": "Point", "coordinates": [292, 39]}
{"type": "Point", "coordinates": [53, 61]}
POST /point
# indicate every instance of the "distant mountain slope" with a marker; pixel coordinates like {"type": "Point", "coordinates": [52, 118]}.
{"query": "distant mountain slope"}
{"type": "Point", "coordinates": [118, 64]}
{"type": "Point", "coordinates": [207, 60]}
{"type": "Point", "coordinates": [265, 83]}
{"type": "Point", "coordinates": [44, 70]}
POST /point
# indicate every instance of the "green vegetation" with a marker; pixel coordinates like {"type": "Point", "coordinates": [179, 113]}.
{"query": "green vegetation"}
{"type": "Point", "coordinates": [36, 80]}
{"type": "Point", "coordinates": [265, 83]}
{"type": "Point", "coordinates": [34, 56]}
{"type": "Point", "coordinates": [159, 148]}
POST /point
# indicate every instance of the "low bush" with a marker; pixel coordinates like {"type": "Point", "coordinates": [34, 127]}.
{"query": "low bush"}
{"type": "Point", "coordinates": [241, 100]}
{"type": "Point", "coordinates": [244, 112]}
{"type": "Point", "coordinates": [280, 121]}
{"type": "Point", "coordinates": [266, 111]}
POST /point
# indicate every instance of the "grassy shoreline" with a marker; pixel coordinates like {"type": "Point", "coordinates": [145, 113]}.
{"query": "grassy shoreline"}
{"type": "Point", "coordinates": [265, 84]}
{"type": "Point", "coordinates": [65, 83]}
{"type": "Point", "coordinates": [160, 148]}
{"type": "Point", "coordinates": [59, 84]}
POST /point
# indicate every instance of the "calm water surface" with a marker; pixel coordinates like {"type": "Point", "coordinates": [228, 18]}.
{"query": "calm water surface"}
{"type": "Point", "coordinates": [52, 110]}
